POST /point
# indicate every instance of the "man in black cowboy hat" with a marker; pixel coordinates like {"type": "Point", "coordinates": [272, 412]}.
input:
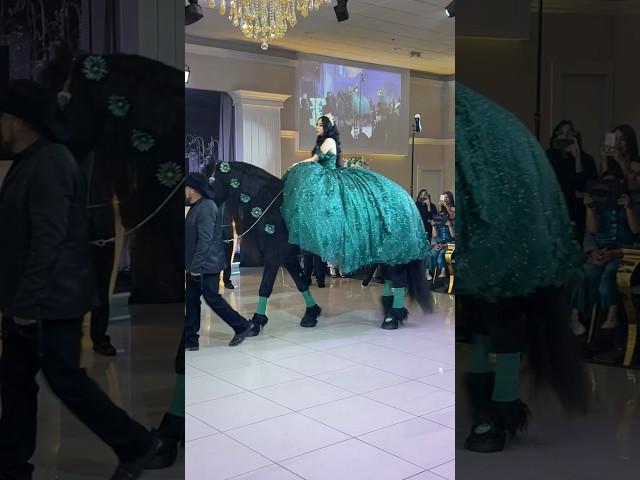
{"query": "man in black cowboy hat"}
{"type": "Point", "coordinates": [204, 260]}
{"type": "Point", "coordinates": [46, 288]}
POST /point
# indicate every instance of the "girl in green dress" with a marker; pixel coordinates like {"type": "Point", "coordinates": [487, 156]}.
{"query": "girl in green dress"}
{"type": "Point", "coordinates": [350, 217]}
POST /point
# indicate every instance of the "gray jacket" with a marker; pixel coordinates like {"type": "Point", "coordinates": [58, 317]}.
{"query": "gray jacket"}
{"type": "Point", "coordinates": [203, 245]}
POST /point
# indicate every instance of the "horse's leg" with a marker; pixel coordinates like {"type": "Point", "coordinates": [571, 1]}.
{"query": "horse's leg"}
{"type": "Point", "coordinates": [397, 313]}
{"type": "Point", "coordinates": [269, 275]}
{"type": "Point", "coordinates": [311, 314]}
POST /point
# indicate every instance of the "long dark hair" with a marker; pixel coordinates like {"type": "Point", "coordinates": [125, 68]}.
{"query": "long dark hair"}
{"type": "Point", "coordinates": [560, 126]}
{"type": "Point", "coordinates": [330, 131]}
{"type": "Point", "coordinates": [424, 190]}
{"type": "Point", "coordinates": [443, 208]}
{"type": "Point", "coordinates": [630, 138]}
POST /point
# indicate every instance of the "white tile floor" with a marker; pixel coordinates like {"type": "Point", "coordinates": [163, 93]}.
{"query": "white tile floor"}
{"type": "Point", "coordinates": [345, 400]}
{"type": "Point", "coordinates": [605, 443]}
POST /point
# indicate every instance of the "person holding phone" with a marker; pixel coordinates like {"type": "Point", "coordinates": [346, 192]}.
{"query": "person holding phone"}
{"type": "Point", "coordinates": [620, 151]}
{"type": "Point", "coordinates": [427, 210]}
{"type": "Point", "coordinates": [574, 168]}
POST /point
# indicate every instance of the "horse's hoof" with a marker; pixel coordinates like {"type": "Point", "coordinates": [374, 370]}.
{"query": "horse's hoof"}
{"type": "Point", "coordinates": [394, 318]}
{"type": "Point", "coordinates": [260, 320]}
{"type": "Point", "coordinates": [310, 318]}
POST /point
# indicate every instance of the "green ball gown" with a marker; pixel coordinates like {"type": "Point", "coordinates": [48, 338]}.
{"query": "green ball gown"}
{"type": "Point", "coordinates": [351, 217]}
{"type": "Point", "coordinates": [513, 233]}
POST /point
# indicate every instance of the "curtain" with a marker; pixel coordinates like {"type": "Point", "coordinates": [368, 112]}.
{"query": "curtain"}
{"type": "Point", "coordinates": [226, 147]}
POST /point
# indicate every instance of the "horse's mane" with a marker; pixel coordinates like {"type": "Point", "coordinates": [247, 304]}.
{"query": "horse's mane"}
{"type": "Point", "coordinates": [262, 187]}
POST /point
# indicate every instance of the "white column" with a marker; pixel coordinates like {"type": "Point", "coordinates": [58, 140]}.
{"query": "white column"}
{"type": "Point", "coordinates": [257, 129]}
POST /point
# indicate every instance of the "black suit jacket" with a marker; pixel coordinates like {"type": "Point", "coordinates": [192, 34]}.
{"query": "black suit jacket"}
{"type": "Point", "coordinates": [45, 263]}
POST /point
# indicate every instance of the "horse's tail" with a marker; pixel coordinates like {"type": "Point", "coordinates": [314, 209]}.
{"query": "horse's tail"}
{"type": "Point", "coordinates": [553, 352]}
{"type": "Point", "coordinates": [417, 287]}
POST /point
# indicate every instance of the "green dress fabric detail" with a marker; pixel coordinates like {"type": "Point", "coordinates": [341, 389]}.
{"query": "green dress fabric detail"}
{"type": "Point", "coordinates": [351, 217]}
{"type": "Point", "coordinates": [513, 233]}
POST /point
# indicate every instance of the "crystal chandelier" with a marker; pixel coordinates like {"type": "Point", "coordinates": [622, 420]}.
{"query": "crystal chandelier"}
{"type": "Point", "coordinates": [265, 20]}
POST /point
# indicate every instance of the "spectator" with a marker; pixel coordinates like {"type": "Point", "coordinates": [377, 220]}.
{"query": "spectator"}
{"type": "Point", "coordinates": [612, 227]}
{"type": "Point", "coordinates": [623, 154]}
{"type": "Point", "coordinates": [427, 211]}
{"type": "Point", "coordinates": [574, 168]}
{"type": "Point", "coordinates": [443, 233]}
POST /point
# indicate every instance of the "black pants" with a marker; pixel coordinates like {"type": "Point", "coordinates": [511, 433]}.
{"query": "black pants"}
{"type": "Point", "coordinates": [228, 254]}
{"type": "Point", "coordinates": [207, 286]}
{"type": "Point", "coordinates": [103, 266]}
{"type": "Point", "coordinates": [54, 347]}
{"type": "Point", "coordinates": [313, 264]}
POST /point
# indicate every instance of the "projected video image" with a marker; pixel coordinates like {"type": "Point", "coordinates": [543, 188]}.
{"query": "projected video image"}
{"type": "Point", "coordinates": [368, 106]}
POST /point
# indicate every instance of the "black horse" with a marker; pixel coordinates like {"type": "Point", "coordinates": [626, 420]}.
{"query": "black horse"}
{"type": "Point", "coordinates": [254, 197]}
{"type": "Point", "coordinates": [126, 126]}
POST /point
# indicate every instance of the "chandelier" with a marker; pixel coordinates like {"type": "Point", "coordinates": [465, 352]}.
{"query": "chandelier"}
{"type": "Point", "coordinates": [265, 20]}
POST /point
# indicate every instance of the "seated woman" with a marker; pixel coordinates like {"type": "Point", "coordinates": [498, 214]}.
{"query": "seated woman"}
{"type": "Point", "coordinates": [427, 211]}
{"type": "Point", "coordinates": [612, 227]}
{"type": "Point", "coordinates": [443, 233]}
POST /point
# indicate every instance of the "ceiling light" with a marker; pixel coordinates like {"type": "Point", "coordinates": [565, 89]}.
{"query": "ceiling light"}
{"type": "Point", "coordinates": [265, 20]}
{"type": "Point", "coordinates": [451, 9]}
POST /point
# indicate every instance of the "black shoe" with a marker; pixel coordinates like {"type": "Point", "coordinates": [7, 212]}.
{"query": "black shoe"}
{"type": "Point", "coordinates": [260, 320]}
{"type": "Point", "coordinates": [499, 422]}
{"type": "Point", "coordinates": [105, 348]}
{"type": "Point", "coordinates": [251, 331]}
{"type": "Point", "coordinates": [171, 431]}
{"type": "Point", "coordinates": [192, 347]}
{"type": "Point", "coordinates": [310, 318]}
{"type": "Point", "coordinates": [133, 470]}
{"type": "Point", "coordinates": [394, 318]}
{"type": "Point", "coordinates": [321, 284]}
{"type": "Point", "coordinates": [228, 285]}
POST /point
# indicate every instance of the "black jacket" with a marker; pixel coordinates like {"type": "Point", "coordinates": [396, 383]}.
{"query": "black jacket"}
{"type": "Point", "coordinates": [571, 182]}
{"type": "Point", "coordinates": [45, 263]}
{"type": "Point", "coordinates": [203, 244]}
{"type": "Point", "coordinates": [427, 213]}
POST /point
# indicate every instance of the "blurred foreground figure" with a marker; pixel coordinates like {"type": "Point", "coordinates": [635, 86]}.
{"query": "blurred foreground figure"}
{"type": "Point", "coordinates": [516, 253]}
{"type": "Point", "coordinates": [46, 286]}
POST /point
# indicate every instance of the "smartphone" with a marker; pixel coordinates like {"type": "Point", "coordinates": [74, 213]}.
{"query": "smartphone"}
{"type": "Point", "coordinates": [610, 140]}
{"type": "Point", "coordinates": [443, 198]}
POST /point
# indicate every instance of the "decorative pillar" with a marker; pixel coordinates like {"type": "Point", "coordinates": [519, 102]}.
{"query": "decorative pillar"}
{"type": "Point", "coordinates": [257, 129]}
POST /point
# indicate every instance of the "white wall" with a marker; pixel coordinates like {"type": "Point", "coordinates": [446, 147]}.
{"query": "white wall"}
{"type": "Point", "coordinates": [224, 70]}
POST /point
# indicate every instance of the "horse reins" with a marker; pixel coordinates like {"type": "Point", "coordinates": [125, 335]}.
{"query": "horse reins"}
{"type": "Point", "coordinates": [258, 219]}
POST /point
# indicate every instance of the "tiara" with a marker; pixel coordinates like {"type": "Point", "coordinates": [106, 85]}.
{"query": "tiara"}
{"type": "Point", "coordinates": [332, 120]}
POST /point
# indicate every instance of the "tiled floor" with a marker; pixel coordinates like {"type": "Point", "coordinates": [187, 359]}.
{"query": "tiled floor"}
{"type": "Point", "coordinates": [344, 400]}
{"type": "Point", "coordinates": [140, 379]}
{"type": "Point", "coordinates": [604, 443]}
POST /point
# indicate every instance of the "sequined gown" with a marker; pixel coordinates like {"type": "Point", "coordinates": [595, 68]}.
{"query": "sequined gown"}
{"type": "Point", "coordinates": [513, 233]}
{"type": "Point", "coordinates": [351, 217]}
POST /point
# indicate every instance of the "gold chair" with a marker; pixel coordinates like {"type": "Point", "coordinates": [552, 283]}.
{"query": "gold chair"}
{"type": "Point", "coordinates": [628, 266]}
{"type": "Point", "coordinates": [451, 248]}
